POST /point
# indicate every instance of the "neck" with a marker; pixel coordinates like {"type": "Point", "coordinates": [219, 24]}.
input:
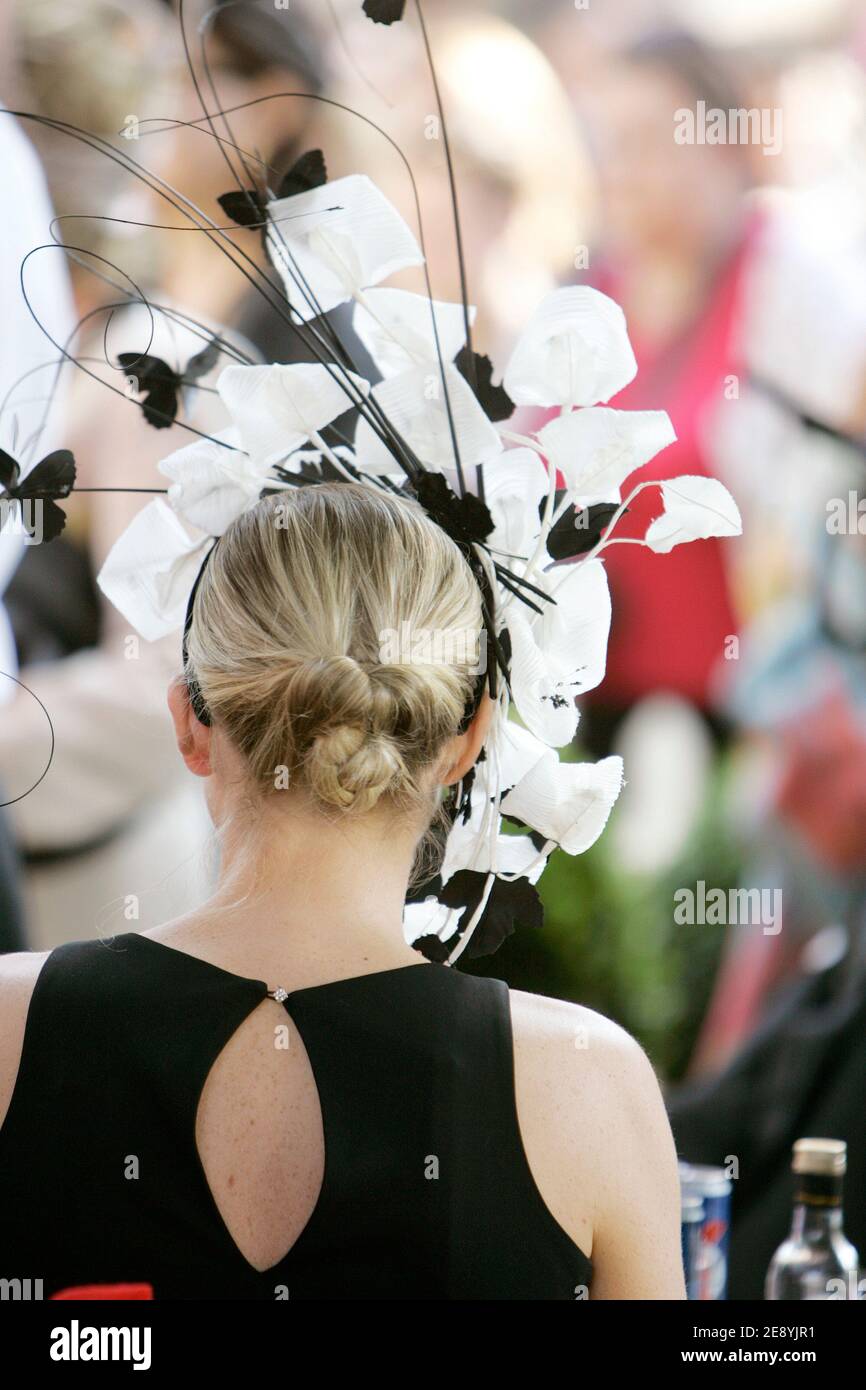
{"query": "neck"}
{"type": "Point", "coordinates": [662, 287]}
{"type": "Point", "coordinates": [301, 896]}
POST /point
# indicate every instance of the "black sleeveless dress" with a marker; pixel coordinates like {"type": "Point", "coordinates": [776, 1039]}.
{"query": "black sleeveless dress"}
{"type": "Point", "coordinates": [427, 1191]}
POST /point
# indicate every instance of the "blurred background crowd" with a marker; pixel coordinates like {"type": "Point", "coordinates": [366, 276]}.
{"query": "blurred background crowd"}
{"type": "Point", "coordinates": [736, 684]}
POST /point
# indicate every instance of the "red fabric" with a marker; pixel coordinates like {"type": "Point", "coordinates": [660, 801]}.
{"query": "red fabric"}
{"type": "Point", "coordinates": [672, 613]}
{"type": "Point", "coordinates": [106, 1291]}
{"type": "Point", "coordinates": [822, 789]}
{"type": "Point", "coordinates": [752, 964]}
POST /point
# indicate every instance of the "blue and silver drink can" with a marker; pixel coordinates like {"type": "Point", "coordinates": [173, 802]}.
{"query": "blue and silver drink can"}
{"type": "Point", "coordinates": [691, 1224]}
{"type": "Point", "coordinates": [713, 1187]}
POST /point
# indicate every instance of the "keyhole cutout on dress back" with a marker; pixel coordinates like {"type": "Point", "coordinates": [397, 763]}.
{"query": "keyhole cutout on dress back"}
{"type": "Point", "coordinates": [260, 1137]}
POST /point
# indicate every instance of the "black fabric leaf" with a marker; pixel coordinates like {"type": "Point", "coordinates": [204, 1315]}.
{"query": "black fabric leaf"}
{"type": "Point", "coordinates": [384, 11]}
{"type": "Point", "coordinates": [510, 905]}
{"type": "Point", "coordinates": [52, 477]}
{"type": "Point", "coordinates": [310, 171]}
{"type": "Point", "coordinates": [246, 208]}
{"type": "Point", "coordinates": [466, 519]}
{"type": "Point", "coordinates": [494, 400]}
{"type": "Point", "coordinates": [430, 888]}
{"type": "Point", "coordinates": [432, 948]}
{"type": "Point", "coordinates": [577, 532]}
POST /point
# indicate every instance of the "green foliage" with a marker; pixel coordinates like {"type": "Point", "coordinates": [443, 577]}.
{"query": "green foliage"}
{"type": "Point", "coordinates": [610, 941]}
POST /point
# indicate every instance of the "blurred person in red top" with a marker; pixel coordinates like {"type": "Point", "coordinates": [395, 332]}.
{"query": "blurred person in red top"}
{"type": "Point", "coordinates": [677, 230]}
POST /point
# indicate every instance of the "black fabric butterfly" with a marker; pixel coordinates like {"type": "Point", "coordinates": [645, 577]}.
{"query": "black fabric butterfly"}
{"type": "Point", "coordinates": [384, 11]}
{"type": "Point", "coordinates": [248, 207]}
{"type": "Point", "coordinates": [310, 171]}
{"type": "Point", "coordinates": [53, 477]}
{"type": "Point", "coordinates": [161, 384]}
{"type": "Point", "coordinates": [244, 206]}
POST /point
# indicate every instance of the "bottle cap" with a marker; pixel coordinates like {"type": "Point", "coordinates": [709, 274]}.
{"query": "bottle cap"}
{"type": "Point", "coordinates": [824, 1156]}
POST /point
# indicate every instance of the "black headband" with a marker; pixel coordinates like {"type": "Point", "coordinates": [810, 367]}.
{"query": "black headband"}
{"type": "Point", "coordinates": [196, 699]}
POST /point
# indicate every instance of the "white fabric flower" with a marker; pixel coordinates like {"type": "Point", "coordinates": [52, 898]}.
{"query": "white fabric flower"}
{"type": "Point", "coordinates": [212, 484]}
{"type": "Point", "coordinates": [566, 802]}
{"type": "Point", "coordinates": [510, 752]}
{"type": "Point", "coordinates": [150, 570]}
{"type": "Point", "coordinates": [515, 484]}
{"type": "Point", "coordinates": [278, 408]}
{"type": "Point", "coordinates": [517, 751]}
{"type": "Point", "coordinates": [598, 448]}
{"type": "Point", "coordinates": [466, 848]}
{"type": "Point", "coordinates": [574, 351]}
{"type": "Point", "coordinates": [314, 458]}
{"type": "Point", "coordinates": [414, 402]}
{"type": "Point", "coordinates": [396, 328]}
{"type": "Point", "coordinates": [342, 237]}
{"type": "Point", "coordinates": [561, 653]}
{"type": "Point", "coordinates": [695, 507]}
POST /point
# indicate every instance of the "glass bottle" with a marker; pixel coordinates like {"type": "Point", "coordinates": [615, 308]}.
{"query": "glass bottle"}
{"type": "Point", "coordinates": [815, 1261]}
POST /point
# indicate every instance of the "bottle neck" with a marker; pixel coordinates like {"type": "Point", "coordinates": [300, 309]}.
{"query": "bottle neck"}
{"type": "Point", "coordinates": [817, 1204]}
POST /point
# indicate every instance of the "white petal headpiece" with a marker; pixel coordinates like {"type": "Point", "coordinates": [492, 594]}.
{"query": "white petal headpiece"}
{"type": "Point", "coordinates": [531, 513]}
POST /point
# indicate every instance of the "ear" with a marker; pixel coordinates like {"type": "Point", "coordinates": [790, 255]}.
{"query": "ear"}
{"type": "Point", "coordinates": [462, 751]}
{"type": "Point", "coordinates": [193, 738]}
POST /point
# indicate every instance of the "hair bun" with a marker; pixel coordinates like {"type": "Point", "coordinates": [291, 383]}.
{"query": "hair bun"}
{"type": "Point", "coordinates": [353, 760]}
{"type": "Point", "coordinates": [349, 767]}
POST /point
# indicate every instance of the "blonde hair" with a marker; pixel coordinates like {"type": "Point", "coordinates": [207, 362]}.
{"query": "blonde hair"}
{"type": "Point", "coordinates": [286, 644]}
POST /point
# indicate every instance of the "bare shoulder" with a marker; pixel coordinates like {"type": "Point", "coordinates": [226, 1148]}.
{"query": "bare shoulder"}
{"type": "Point", "coordinates": [553, 1033]}
{"type": "Point", "coordinates": [599, 1142]}
{"type": "Point", "coordinates": [18, 975]}
{"type": "Point", "coordinates": [588, 1071]}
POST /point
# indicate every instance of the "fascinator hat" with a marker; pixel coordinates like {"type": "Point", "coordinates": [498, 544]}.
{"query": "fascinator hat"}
{"type": "Point", "coordinates": [533, 514]}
